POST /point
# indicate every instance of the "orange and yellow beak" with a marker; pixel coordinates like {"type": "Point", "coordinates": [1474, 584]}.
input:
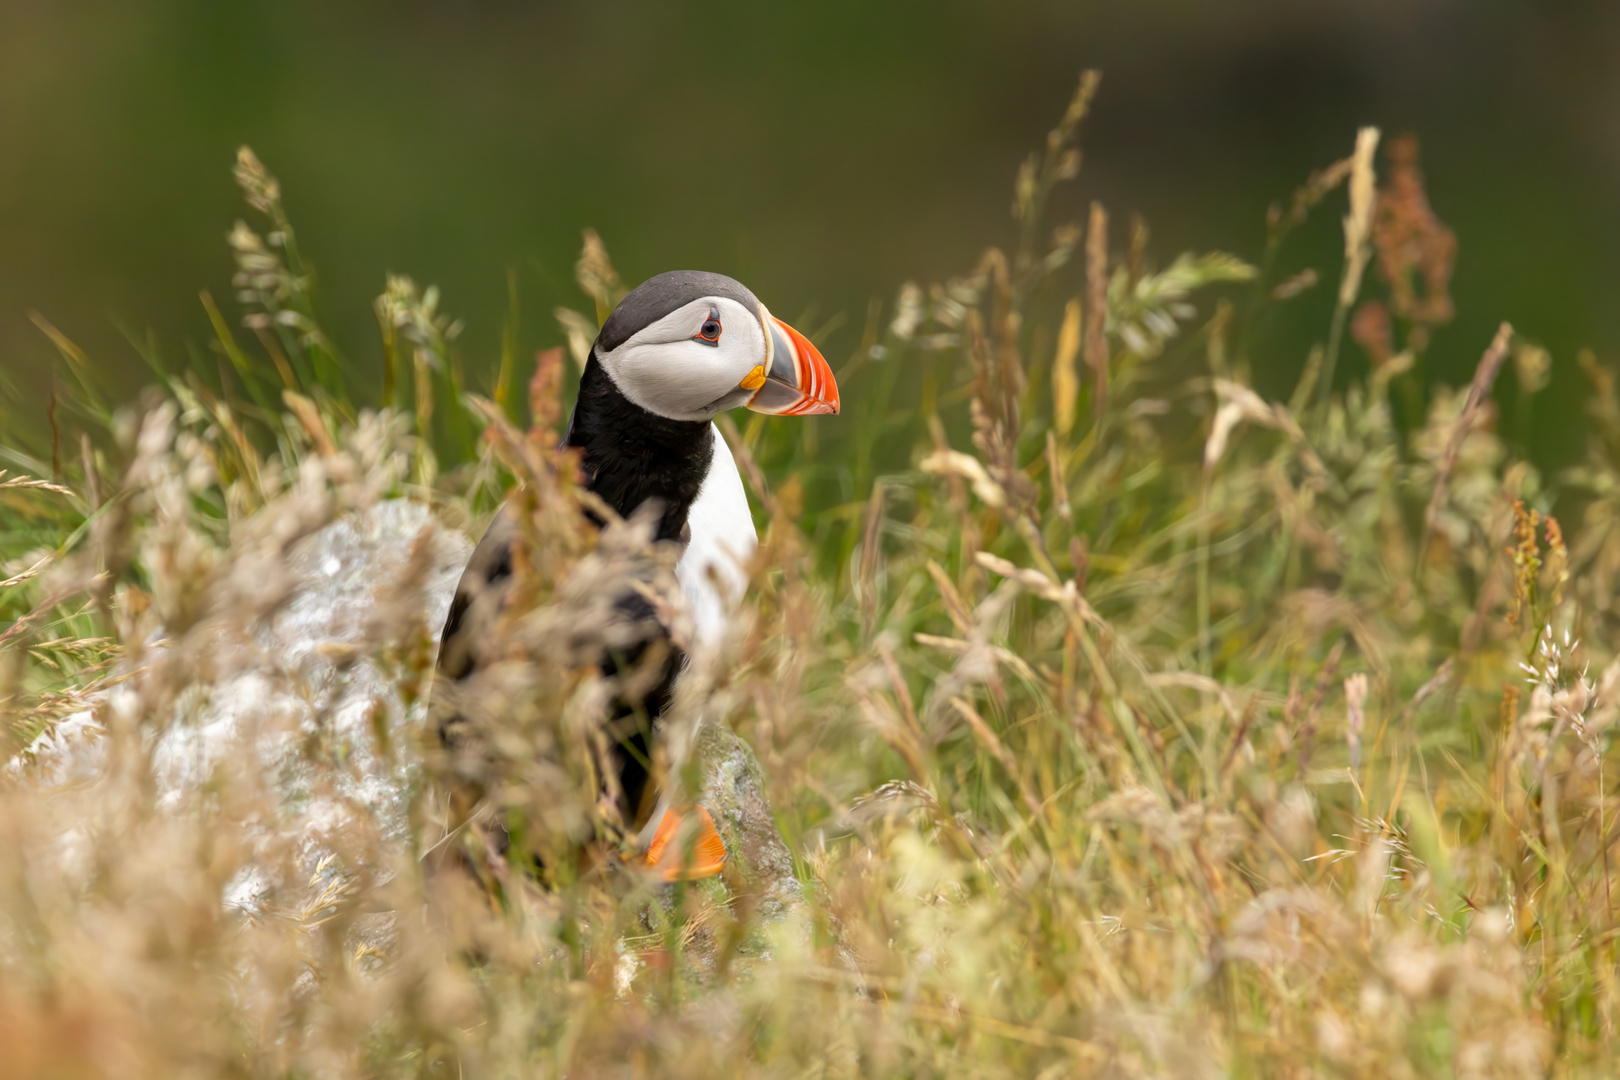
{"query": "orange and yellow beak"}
{"type": "Point", "coordinates": [795, 380]}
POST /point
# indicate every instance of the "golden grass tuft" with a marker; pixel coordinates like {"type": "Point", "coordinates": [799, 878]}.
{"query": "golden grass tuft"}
{"type": "Point", "coordinates": [1130, 724]}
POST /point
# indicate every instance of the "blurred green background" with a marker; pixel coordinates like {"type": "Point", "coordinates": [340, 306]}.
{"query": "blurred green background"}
{"type": "Point", "coordinates": [820, 152]}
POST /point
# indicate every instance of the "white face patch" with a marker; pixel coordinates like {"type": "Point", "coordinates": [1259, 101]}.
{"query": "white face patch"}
{"type": "Point", "coordinates": [668, 369]}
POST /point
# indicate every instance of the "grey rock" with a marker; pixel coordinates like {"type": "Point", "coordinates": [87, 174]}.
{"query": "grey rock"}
{"type": "Point", "coordinates": [332, 734]}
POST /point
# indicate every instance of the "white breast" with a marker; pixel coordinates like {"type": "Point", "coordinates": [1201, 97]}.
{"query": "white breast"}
{"type": "Point", "coordinates": [712, 569]}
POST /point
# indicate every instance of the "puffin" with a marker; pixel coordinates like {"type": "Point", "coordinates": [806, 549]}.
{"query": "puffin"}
{"type": "Point", "coordinates": [676, 351]}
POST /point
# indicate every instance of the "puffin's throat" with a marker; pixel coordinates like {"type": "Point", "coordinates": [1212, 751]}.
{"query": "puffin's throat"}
{"type": "Point", "coordinates": [632, 455]}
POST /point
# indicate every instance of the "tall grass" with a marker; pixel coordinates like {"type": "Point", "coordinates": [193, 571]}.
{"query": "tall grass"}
{"type": "Point", "coordinates": [1136, 725]}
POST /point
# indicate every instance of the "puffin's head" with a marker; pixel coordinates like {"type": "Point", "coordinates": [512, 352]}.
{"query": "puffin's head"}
{"type": "Point", "coordinates": [687, 345]}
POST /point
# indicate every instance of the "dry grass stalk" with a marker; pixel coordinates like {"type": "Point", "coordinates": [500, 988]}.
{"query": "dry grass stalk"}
{"type": "Point", "coordinates": [1062, 785]}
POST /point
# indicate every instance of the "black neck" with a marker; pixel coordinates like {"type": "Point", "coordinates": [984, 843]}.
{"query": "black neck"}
{"type": "Point", "coordinates": [632, 455]}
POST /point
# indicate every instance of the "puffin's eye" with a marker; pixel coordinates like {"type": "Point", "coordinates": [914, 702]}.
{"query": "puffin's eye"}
{"type": "Point", "coordinates": [709, 332]}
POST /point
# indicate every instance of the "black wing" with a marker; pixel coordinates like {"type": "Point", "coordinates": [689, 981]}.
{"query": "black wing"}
{"type": "Point", "coordinates": [479, 601]}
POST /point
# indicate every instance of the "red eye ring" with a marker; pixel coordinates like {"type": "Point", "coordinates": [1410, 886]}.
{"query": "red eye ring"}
{"type": "Point", "coordinates": [709, 332]}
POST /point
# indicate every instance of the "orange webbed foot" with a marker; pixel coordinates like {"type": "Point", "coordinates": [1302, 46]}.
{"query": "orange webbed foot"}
{"type": "Point", "coordinates": [708, 852]}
